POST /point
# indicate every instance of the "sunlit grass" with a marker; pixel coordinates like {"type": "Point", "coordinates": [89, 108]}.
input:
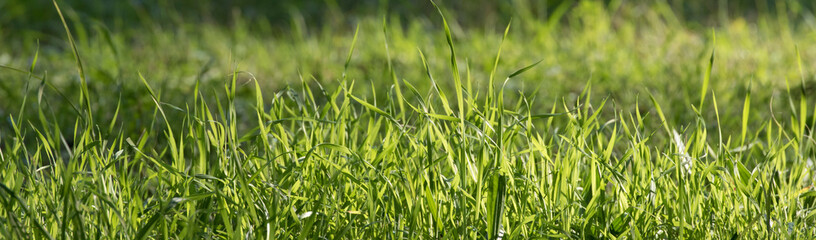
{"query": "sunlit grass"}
{"type": "Point", "coordinates": [463, 155]}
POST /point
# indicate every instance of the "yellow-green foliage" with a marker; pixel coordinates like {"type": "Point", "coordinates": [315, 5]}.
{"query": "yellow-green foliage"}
{"type": "Point", "coordinates": [602, 120]}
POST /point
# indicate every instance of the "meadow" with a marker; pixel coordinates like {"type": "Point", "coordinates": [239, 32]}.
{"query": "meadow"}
{"type": "Point", "coordinates": [520, 120]}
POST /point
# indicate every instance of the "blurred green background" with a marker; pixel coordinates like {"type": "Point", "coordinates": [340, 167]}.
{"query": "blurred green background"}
{"type": "Point", "coordinates": [626, 49]}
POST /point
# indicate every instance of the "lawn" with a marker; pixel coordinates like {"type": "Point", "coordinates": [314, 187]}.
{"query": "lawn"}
{"type": "Point", "coordinates": [405, 120]}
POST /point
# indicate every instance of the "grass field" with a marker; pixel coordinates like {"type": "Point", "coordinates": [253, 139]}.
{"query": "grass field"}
{"type": "Point", "coordinates": [596, 120]}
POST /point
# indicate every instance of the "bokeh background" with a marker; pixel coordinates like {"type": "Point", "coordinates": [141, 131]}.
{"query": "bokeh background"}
{"type": "Point", "coordinates": [625, 49]}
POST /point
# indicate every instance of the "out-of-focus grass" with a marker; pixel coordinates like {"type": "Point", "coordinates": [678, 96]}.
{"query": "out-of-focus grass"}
{"type": "Point", "coordinates": [624, 51]}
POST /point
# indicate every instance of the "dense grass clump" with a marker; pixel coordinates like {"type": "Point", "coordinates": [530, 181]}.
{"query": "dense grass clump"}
{"type": "Point", "coordinates": [464, 158]}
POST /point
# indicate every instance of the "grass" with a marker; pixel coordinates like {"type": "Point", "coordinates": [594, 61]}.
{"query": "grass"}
{"type": "Point", "coordinates": [473, 154]}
